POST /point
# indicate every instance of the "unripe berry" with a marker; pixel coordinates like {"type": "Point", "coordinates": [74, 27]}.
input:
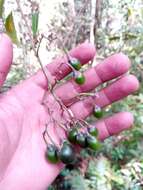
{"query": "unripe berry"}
{"type": "Point", "coordinates": [79, 78]}
{"type": "Point", "coordinates": [75, 63]}
{"type": "Point", "coordinates": [93, 131]}
{"type": "Point", "coordinates": [52, 154]}
{"type": "Point", "coordinates": [93, 143]}
{"type": "Point", "coordinates": [81, 140]}
{"type": "Point", "coordinates": [97, 112]}
{"type": "Point", "coordinates": [72, 135]}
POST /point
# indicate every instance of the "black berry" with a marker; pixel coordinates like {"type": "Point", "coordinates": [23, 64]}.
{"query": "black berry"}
{"type": "Point", "coordinates": [67, 153]}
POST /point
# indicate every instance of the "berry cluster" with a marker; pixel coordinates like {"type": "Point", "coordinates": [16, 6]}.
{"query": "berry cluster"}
{"type": "Point", "coordinates": [77, 74]}
{"type": "Point", "coordinates": [84, 139]}
{"type": "Point", "coordinates": [67, 153]}
{"type": "Point", "coordinates": [75, 136]}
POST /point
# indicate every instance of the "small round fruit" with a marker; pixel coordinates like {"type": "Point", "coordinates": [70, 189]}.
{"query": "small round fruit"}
{"type": "Point", "coordinates": [93, 143]}
{"type": "Point", "coordinates": [97, 112]}
{"type": "Point", "coordinates": [52, 154]}
{"type": "Point", "coordinates": [93, 131]}
{"type": "Point", "coordinates": [81, 140]}
{"type": "Point", "coordinates": [79, 78]}
{"type": "Point", "coordinates": [67, 154]}
{"type": "Point", "coordinates": [72, 135]}
{"type": "Point", "coordinates": [75, 63]}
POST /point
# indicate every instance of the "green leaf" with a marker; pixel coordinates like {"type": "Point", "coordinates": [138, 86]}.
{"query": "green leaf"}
{"type": "Point", "coordinates": [130, 12]}
{"type": "Point", "coordinates": [1, 7]}
{"type": "Point", "coordinates": [113, 38]}
{"type": "Point", "coordinates": [35, 20]}
{"type": "Point", "coordinates": [10, 29]}
{"type": "Point", "coordinates": [130, 36]}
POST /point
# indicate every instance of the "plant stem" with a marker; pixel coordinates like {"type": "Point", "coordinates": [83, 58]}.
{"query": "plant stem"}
{"type": "Point", "coordinates": [32, 44]}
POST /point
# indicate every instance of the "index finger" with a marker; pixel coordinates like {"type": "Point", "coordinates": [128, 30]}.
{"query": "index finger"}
{"type": "Point", "coordinates": [6, 54]}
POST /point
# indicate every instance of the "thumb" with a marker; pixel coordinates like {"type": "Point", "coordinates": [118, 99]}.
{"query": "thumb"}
{"type": "Point", "coordinates": [6, 54]}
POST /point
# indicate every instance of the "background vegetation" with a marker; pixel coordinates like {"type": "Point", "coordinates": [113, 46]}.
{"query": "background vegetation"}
{"type": "Point", "coordinates": [114, 26]}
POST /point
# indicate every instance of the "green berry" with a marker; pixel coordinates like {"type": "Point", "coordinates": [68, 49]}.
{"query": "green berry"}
{"type": "Point", "coordinates": [72, 135]}
{"type": "Point", "coordinates": [79, 78]}
{"type": "Point", "coordinates": [81, 140]}
{"type": "Point", "coordinates": [52, 154]}
{"type": "Point", "coordinates": [93, 131]}
{"type": "Point", "coordinates": [97, 112]}
{"type": "Point", "coordinates": [93, 143]}
{"type": "Point", "coordinates": [75, 63]}
{"type": "Point", "coordinates": [67, 153]}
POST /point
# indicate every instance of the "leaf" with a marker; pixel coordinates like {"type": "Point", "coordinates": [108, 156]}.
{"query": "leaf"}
{"type": "Point", "coordinates": [112, 38]}
{"type": "Point", "coordinates": [10, 29]}
{"type": "Point", "coordinates": [130, 12]}
{"type": "Point", "coordinates": [130, 36]}
{"type": "Point", "coordinates": [1, 7]}
{"type": "Point", "coordinates": [141, 12]}
{"type": "Point", "coordinates": [35, 20]}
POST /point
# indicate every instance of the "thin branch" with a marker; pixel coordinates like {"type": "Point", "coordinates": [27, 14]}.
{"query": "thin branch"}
{"type": "Point", "coordinates": [71, 119]}
{"type": "Point", "coordinates": [32, 44]}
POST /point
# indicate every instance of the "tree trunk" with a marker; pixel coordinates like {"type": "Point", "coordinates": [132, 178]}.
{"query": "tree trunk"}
{"type": "Point", "coordinates": [93, 8]}
{"type": "Point", "coordinates": [96, 12]}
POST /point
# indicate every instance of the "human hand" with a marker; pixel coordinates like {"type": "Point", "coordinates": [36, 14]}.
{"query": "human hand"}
{"type": "Point", "coordinates": [23, 117]}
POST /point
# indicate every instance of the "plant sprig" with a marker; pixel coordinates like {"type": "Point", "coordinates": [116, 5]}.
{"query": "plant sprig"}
{"type": "Point", "coordinates": [56, 152]}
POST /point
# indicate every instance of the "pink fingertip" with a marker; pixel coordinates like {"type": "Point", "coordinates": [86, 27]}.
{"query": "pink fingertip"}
{"type": "Point", "coordinates": [122, 88]}
{"type": "Point", "coordinates": [124, 60]}
{"type": "Point", "coordinates": [84, 52]}
{"type": "Point", "coordinates": [6, 54]}
{"type": "Point", "coordinates": [114, 65]}
{"type": "Point", "coordinates": [119, 122]}
{"type": "Point", "coordinates": [115, 124]}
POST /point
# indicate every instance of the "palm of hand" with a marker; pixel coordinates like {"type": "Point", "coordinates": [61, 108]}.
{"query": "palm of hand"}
{"type": "Point", "coordinates": [27, 118]}
{"type": "Point", "coordinates": [23, 117]}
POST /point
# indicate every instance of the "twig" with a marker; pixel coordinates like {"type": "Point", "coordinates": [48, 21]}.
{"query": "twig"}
{"type": "Point", "coordinates": [32, 44]}
{"type": "Point", "coordinates": [71, 118]}
{"type": "Point", "coordinates": [46, 133]}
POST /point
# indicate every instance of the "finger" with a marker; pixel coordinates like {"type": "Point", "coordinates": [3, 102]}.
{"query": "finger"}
{"type": "Point", "coordinates": [58, 69]}
{"type": "Point", "coordinates": [6, 54]}
{"type": "Point", "coordinates": [114, 92]}
{"type": "Point", "coordinates": [110, 68]}
{"type": "Point", "coordinates": [114, 124]}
